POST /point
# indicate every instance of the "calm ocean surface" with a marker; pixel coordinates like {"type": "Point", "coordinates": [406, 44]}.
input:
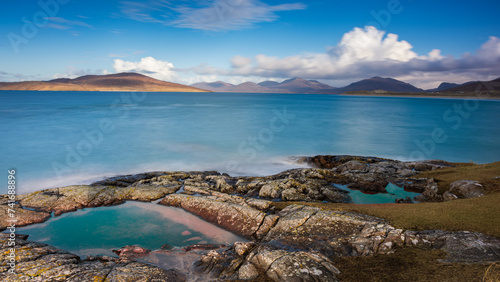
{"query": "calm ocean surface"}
{"type": "Point", "coordinates": [60, 138]}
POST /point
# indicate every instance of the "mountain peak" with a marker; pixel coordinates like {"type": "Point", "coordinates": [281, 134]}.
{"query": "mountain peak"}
{"type": "Point", "coordinates": [380, 83]}
{"type": "Point", "coordinates": [292, 80]}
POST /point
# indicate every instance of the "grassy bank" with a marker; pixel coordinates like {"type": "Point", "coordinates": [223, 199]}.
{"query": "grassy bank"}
{"type": "Point", "coordinates": [411, 264]}
{"type": "Point", "coordinates": [485, 174]}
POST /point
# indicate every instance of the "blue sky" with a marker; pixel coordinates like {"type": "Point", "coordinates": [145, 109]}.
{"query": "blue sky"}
{"type": "Point", "coordinates": [337, 42]}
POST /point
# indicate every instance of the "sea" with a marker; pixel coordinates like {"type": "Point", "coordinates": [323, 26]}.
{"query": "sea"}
{"type": "Point", "coordinates": [54, 139]}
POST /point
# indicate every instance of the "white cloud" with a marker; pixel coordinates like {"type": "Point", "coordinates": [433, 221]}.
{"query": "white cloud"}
{"type": "Point", "coordinates": [371, 44]}
{"type": "Point", "coordinates": [367, 52]}
{"type": "Point", "coordinates": [218, 15]}
{"type": "Point", "coordinates": [148, 66]}
{"type": "Point", "coordinates": [490, 49]}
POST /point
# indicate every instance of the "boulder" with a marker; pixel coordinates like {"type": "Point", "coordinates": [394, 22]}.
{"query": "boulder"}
{"type": "Point", "coordinates": [292, 194]}
{"type": "Point", "coordinates": [431, 193]}
{"type": "Point", "coordinates": [248, 272]}
{"type": "Point", "coordinates": [467, 189]}
{"type": "Point", "coordinates": [270, 191]}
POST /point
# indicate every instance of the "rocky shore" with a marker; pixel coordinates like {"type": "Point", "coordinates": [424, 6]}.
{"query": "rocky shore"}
{"type": "Point", "coordinates": [297, 243]}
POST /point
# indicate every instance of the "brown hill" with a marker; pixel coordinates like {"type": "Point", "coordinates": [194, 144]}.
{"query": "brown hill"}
{"type": "Point", "coordinates": [110, 82]}
{"type": "Point", "coordinates": [479, 86]}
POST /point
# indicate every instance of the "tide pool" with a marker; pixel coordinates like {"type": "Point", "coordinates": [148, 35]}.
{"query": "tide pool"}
{"type": "Point", "coordinates": [393, 192]}
{"type": "Point", "coordinates": [94, 231]}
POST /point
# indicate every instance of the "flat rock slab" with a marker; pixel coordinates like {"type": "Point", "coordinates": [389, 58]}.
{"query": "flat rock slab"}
{"type": "Point", "coordinates": [242, 220]}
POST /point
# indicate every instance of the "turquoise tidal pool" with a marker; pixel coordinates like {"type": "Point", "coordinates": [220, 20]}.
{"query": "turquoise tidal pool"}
{"type": "Point", "coordinates": [98, 231]}
{"type": "Point", "coordinates": [393, 192]}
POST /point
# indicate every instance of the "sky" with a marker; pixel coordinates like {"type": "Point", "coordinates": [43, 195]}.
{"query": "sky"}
{"type": "Point", "coordinates": [336, 42]}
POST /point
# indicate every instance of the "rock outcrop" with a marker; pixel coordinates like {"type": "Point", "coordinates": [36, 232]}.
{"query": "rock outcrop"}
{"type": "Point", "coordinates": [297, 243]}
{"type": "Point", "coordinates": [41, 262]}
{"type": "Point", "coordinates": [300, 246]}
{"type": "Point", "coordinates": [242, 220]}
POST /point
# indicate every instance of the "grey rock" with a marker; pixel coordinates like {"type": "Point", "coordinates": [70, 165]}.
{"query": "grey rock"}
{"type": "Point", "coordinates": [352, 166]}
{"type": "Point", "coordinates": [291, 194]}
{"type": "Point", "coordinates": [248, 272]}
{"type": "Point", "coordinates": [448, 196]}
{"type": "Point", "coordinates": [467, 188]}
{"type": "Point", "coordinates": [270, 191]}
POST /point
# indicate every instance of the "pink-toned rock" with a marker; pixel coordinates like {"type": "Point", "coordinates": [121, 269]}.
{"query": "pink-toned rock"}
{"type": "Point", "coordinates": [129, 252]}
{"type": "Point", "coordinates": [241, 220]}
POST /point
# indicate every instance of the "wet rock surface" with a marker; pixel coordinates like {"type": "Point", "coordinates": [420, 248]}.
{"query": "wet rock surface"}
{"type": "Point", "coordinates": [41, 262]}
{"type": "Point", "coordinates": [297, 243]}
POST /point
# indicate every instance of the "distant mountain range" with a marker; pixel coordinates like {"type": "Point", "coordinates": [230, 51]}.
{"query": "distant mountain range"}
{"type": "Point", "coordinates": [482, 86]}
{"type": "Point", "coordinates": [139, 82]}
{"type": "Point", "coordinates": [110, 82]}
{"type": "Point", "coordinates": [294, 85]}
{"type": "Point", "coordinates": [299, 85]}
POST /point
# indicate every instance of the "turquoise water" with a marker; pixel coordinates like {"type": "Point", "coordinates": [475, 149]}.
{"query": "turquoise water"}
{"type": "Point", "coordinates": [393, 192]}
{"type": "Point", "coordinates": [100, 230]}
{"type": "Point", "coordinates": [61, 138]}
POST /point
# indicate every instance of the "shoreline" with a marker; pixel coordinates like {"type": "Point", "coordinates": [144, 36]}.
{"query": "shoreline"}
{"type": "Point", "coordinates": [412, 95]}
{"type": "Point", "coordinates": [382, 95]}
{"type": "Point", "coordinates": [296, 215]}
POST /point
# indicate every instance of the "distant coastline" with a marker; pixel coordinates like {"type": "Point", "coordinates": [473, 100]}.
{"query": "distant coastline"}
{"type": "Point", "coordinates": [357, 94]}
{"type": "Point", "coordinates": [373, 87]}
{"type": "Point", "coordinates": [469, 95]}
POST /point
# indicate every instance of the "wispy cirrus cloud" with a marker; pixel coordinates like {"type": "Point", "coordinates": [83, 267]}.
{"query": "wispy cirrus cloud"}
{"type": "Point", "coordinates": [61, 23]}
{"type": "Point", "coordinates": [218, 15]}
{"type": "Point", "coordinates": [65, 24]}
